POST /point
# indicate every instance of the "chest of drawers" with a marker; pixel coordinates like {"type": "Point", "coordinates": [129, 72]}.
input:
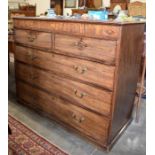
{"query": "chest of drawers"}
{"type": "Point", "coordinates": [81, 74]}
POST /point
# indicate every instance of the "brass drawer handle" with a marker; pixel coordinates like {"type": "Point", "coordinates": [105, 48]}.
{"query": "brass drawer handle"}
{"type": "Point", "coordinates": [32, 36]}
{"type": "Point", "coordinates": [80, 44]}
{"type": "Point", "coordinates": [73, 115]}
{"type": "Point", "coordinates": [31, 56]}
{"type": "Point", "coordinates": [78, 94]}
{"type": "Point", "coordinates": [78, 119]}
{"type": "Point", "coordinates": [81, 119]}
{"type": "Point", "coordinates": [80, 69]}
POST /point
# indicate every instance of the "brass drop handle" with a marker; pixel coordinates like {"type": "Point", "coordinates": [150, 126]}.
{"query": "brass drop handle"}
{"type": "Point", "coordinates": [81, 119]}
{"type": "Point", "coordinates": [74, 115]}
{"type": "Point", "coordinates": [31, 37]}
{"type": "Point", "coordinates": [31, 56]}
{"type": "Point", "coordinates": [80, 69]}
{"type": "Point", "coordinates": [78, 94]}
{"type": "Point", "coordinates": [78, 119]}
{"type": "Point", "coordinates": [81, 44]}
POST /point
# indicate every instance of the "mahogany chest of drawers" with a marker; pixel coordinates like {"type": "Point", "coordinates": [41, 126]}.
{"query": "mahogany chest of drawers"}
{"type": "Point", "coordinates": [79, 73]}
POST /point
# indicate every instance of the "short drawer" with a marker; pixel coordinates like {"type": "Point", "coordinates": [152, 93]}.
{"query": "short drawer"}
{"type": "Point", "coordinates": [88, 123]}
{"type": "Point", "coordinates": [108, 32]}
{"type": "Point", "coordinates": [34, 38]}
{"type": "Point", "coordinates": [78, 93]}
{"type": "Point", "coordinates": [84, 70]}
{"type": "Point", "coordinates": [94, 49]}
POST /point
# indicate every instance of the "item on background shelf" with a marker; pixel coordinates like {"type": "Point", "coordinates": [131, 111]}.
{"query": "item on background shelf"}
{"type": "Point", "coordinates": [85, 16]}
{"type": "Point", "coordinates": [98, 15]}
{"type": "Point", "coordinates": [122, 16]}
{"type": "Point", "coordinates": [116, 10]}
{"type": "Point", "coordinates": [51, 13]}
{"type": "Point", "coordinates": [76, 16]}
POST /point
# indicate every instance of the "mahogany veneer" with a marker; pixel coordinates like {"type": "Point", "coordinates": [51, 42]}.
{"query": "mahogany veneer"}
{"type": "Point", "coordinates": [82, 74]}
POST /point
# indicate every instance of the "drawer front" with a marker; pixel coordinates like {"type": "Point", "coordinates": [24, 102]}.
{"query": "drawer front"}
{"type": "Point", "coordinates": [102, 31]}
{"type": "Point", "coordinates": [88, 71]}
{"type": "Point", "coordinates": [92, 125]}
{"type": "Point", "coordinates": [77, 93]}
{"type": "Point", "coordinates": [95, 49]}
{"type": "Point", "coordinates": [33, 38]}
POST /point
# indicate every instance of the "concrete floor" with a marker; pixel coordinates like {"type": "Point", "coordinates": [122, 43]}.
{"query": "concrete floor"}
{"type": "Point", "coordinates": [132, 142]}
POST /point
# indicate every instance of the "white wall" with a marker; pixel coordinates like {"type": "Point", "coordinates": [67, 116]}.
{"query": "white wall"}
{"type": "Point", "coordinates": [13, 4]}
{"type": "Point", "coordinates": [144, 1]}
{"type": "Point", "coordinates": [42, 5]}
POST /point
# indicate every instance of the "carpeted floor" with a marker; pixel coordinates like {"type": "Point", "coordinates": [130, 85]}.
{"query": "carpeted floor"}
{"type": "Point", "coordinates": [23, 141]}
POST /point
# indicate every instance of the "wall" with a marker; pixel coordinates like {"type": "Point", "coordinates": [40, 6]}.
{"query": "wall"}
{"type": "Point", "coordinates": [42, 5]}
{"type": "Point", "coordinates": [13, 4]}
{"type": "Point", "coordinates": [144, 1]}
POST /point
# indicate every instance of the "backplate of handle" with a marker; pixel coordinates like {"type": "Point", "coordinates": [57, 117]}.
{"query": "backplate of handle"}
{"type": "Point", "coordinates": [80, 69]}
{"type": "Point", "coordinates": [77, 118]}
{"type": "Point", "coordinates": [79, 94]}
{"type": "Point", "coordinates": [81, 44]}
{"type": "Point", "coordinates": [31, 56]}
{"type": "Point", "coordinates": [31, 37]}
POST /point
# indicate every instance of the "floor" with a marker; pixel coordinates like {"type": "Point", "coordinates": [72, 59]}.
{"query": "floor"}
{"type": "Point", "coordinates": [132, 142]}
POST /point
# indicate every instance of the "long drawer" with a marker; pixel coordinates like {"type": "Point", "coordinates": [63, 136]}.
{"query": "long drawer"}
{"type": "Point", "coordinates": [95, 49]}
{"type": "Point", "coordinates": [78, 93]}
{"type": "Point", "coordinates": [34, 38]}
{"type": "Point", "coordinates": [92, 125]}
{"type": "Point", "coordinates": [88, 71]}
